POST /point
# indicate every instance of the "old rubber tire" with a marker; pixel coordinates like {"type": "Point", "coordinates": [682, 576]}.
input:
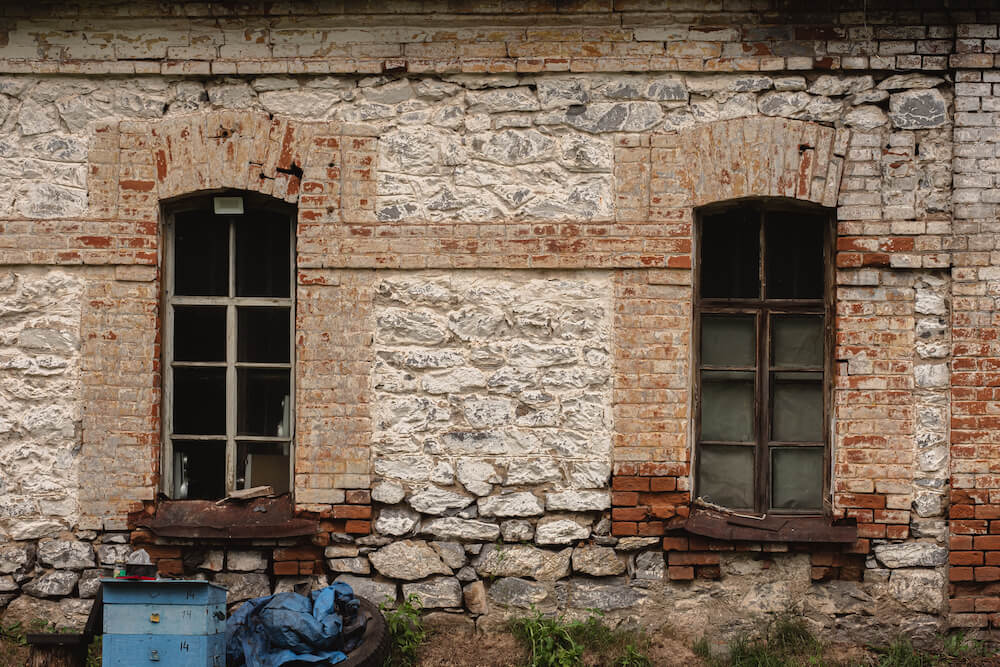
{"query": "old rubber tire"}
{"type": "Point", "coordinates": [374, 646]}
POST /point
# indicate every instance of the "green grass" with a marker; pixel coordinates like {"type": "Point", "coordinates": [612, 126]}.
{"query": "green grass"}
{"type": "Point", "coordinates": [406, 631]}
{"type": "Point", "coordinates": [554, 641]}
{"type": "Point", "coordinates": [956, 649]}
{"type": "Point", "coordinates": [785, 642]}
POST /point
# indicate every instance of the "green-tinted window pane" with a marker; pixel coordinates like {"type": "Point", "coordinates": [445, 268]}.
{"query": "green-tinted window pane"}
{"type": "Point", "coordinates": [797, 477]}
{"type": "Point", "coordinates": [725, 475]}
{"type": "Point", "coordinates": [797, 341]}
{"type": "Point", "coordinates": [798, 408]}
{"type": "Point", "coordinates": [728, 340]}
{"type": "Point", "coordinates": [727, 406]}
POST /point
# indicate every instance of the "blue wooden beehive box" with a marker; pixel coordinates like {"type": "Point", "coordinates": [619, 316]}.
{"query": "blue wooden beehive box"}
{"type": "Point", "coordinates": [164, 623]}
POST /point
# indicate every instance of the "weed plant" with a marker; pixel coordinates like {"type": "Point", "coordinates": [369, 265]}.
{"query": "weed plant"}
{"type": "Point", "coordinates": [406, 632]}
{"type": "Point", "coordinates": [556, 642]}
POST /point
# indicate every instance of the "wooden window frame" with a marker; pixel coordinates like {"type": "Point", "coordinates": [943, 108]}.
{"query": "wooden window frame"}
{"type": "Point", "coordinates": [204, 202]}
{"type": "Point", "coordinates": [762, 308]}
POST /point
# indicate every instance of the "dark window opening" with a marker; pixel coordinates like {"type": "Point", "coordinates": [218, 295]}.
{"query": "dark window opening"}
{"type": "Point", "coordinates": [229, 398]}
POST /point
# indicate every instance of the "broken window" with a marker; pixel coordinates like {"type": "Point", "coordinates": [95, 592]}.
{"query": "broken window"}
{"type": "Point", "coordinates": [228, 320]}
{"type": "Point", "coordinates": [762, 351]}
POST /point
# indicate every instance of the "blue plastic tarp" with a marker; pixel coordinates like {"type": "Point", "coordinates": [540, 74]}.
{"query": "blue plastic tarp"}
{"type": "Point", "coordinates": [287, 627]}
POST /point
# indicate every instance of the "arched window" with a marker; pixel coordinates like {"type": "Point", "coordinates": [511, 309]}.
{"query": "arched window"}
{"type": "Point", "coordinates": [229, 317]}
{"type": "Point", "coordinates": [763, 319]}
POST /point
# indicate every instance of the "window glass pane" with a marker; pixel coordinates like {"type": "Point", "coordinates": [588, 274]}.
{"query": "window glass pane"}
{"type": "Point", "coordinates": [797, 341]}
{"type": "Point", "coordinates": [199, 470]}
{"type": "Point", "coordinates": [263, 335]}
{"type": "Point", "coordinates": [200, 401]}
{"type": "Point", "coordinates": [798, 407]}
{"type": "Point", "coordinates": [730, 255]}
{"type": "Point", "coordinates": [727, 406]}
{"type": "Point", "coordinates": [794, 259]}
{"type": "Point", "coordinates": [262, 255]}
{"type": "Point", "coordinates": [725, 475]}
{"type": "Point", "coordinates": [263, 402]}
{"type": "Point", "coordinates": [200, 333]}
{"type": "Point", "coordinates": [201, 255]}
{"type": "Point", "coordinates": [797, 477]}
{"type": "Point", "coordinates": [263, 464]}
{"type": "Point", "coordinates": [728, 340]}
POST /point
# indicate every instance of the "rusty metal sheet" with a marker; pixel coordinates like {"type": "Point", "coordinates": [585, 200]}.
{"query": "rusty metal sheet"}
{"type": "Point", "coordinates": [259, 518]}
{"type": "Point", "coordinates": [769, 528]}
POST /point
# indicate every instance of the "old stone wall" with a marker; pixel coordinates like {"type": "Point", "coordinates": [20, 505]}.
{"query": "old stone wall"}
{"type": "Point", "coordinates": [495, 249]}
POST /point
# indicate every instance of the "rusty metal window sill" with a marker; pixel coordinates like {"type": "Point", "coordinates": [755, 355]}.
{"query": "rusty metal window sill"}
{"type": "Point", "coordinates": [724, 525]}
{"type": "Point", "coordinates": [260, 518]}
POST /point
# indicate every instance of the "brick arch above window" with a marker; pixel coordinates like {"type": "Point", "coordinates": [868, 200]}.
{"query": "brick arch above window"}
{"type": "Point", "coordinates": [749, 157]}
{"type": "Point", "coordinates": [135, 165]}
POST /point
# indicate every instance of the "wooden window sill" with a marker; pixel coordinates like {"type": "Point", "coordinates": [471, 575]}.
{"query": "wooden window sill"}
{"type": "Point", "coordinates": [723, 525]}
{"type": "Point", "coordinates": [260, 518]}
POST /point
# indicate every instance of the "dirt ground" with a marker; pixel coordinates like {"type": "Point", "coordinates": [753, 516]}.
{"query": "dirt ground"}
{"type": "Point", "coordinates": [503, 650]}
{"type": "Point", "coordinates": [12, 655]}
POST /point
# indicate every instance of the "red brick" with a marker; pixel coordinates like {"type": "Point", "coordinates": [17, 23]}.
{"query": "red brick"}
{"type": "Point", "coordinates": [663, 484]}
{"type": "Point", "coordinates": [624, 498]}
{"type": "Point", "coordinates": [286, 567]}
{"type": "Point", "coordinates": [708, 572]}
{"type": "Point", "coordinates": [823, 573]}
{"type": "Point", "coordinates": [986, 604]}
{"type": "Point", "coordinates": [680, 573]}
{"type": "Point", "coordinates": [306, 566]}
{"type": "Point", "coordinates": [966, 557]}
{"type": "Point", "coordinates": [650, 528]}
{"type": "Point", "coordinates": [355, 527]}
{"type": "Point", "coordinates": [358, 497]}
{"type": "Point", "coordinates": [987, 574]}
{"type": "Point", "coordinates": [170, 567]}
{"type": "Point", "coordinates": [960, 542]}
{"type": "Point", "coordinates": [897, 532]}
{"type": "Point", "coordinates": [962, 512]}
{"type": "Point", "coordinates": [675, 544]}
{"type": "Point", "coordinates": [987, 512]}
{"type": "Point", "coordinates": [352, 512]}
{"type": "Point", "coordinates": [156, 551]}
{"type": "Point", "coordinates": [873, 530]}
{"type": "Point", "coordinates": [960, 574]}
{"type": "Point", "coordinates": [297, 553]}
{"type": "Point", "coordinates": [623, 528]}
{"type": "Point", "coordinates": [663, 511]}
{"type": "Point", "coordinates": [863, 500]}
{"type": "Point", "coordinates": [959, 605]}
{"type": "Point", "coordinates": [987, 542]}
{"type": "Point", "coordinates": [629, 514]}
{"type": "Point", "coordinates": [630, 483]}
{"type": "Point", "coordinates": [692, 558]}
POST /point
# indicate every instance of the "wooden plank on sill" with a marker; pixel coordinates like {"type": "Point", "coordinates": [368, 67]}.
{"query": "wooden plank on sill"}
{"type": "Point", "coordinates": [248, 494]}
